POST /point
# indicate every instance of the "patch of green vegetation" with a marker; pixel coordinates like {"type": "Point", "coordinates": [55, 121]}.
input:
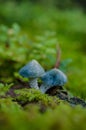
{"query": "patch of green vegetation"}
{"type": "Point", "coordinates": [62, 117]}
{"type": "Point", "coordinates": [35, 96]}
{"type": "Point", "coordinates": [4, 89]}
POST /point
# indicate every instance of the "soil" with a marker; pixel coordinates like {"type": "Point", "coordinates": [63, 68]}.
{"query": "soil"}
{"type": "Point", "coordinates": [63, 95]}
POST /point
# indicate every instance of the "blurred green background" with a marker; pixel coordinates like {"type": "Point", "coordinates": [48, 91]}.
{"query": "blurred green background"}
{"type": "Point", "coordinates": [31, 29]}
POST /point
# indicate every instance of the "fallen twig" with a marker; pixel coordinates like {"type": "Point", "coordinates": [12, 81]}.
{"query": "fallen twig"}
{"type": "Point", "coordinates": [58, 57]}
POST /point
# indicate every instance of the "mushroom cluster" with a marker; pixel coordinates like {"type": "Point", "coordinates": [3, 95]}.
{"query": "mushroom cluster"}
{"type": "Point", "coordinates": [33, 70]}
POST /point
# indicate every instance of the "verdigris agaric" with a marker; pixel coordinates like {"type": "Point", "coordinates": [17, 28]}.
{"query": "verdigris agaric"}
{"type": "Point", "coordinates": [32, 70]}
{"type": "Point", "coordinates": [52, 78]}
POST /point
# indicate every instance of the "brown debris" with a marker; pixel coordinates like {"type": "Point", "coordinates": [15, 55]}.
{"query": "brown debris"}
{"type": "Point", "coordinates": [58, 57]}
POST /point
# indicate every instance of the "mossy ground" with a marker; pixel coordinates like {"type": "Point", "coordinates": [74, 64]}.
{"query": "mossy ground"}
{"type": "Point", "coordinates": [26, 108]}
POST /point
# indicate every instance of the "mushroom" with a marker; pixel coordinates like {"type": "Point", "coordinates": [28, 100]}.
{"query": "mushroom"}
{"type": "Point", "coordinates": [54, 77]}
{"type": "Point", "coordinates": [32, 70]}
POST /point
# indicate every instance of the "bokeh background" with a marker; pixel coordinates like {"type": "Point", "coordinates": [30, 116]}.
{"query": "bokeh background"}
{"type": "Point", "coordinates": [35, 29]}
{"type": "Point", "coordinates": [31, 29]}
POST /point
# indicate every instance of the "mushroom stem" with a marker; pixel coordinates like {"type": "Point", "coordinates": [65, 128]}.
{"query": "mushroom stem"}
{"type": "Point", "coordinates": [33, 83]}
{"type": "Point", "coordinates": [44, 88]}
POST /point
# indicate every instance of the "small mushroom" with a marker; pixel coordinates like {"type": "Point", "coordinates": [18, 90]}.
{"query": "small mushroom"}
{"type": "Point", "coordinates": [52, 78]}
{"type": "Point", "coordinates": [32, 70]}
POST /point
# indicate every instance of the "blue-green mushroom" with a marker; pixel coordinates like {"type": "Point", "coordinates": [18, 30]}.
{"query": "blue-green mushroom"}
{"type": "Point", "coordinates": [32, 70]}
{"type": "Point", "coordinates": [54, 77]}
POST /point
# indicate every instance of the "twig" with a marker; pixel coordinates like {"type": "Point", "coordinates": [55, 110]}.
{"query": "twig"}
{"type": "Point", "coordinates": [58, 57]}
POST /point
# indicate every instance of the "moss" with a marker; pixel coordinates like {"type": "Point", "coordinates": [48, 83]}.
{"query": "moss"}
{"type": "Point", "coordinates": [63, 117]}
{"type": "Point", "coordinates": [35, 96]}
{"type": "Point", "coordinates": [4, 89]}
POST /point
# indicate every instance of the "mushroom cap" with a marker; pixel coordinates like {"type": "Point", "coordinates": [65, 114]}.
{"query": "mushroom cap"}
{"type": "Point", "coordinates": [54, 77]}
{"type": "Point", "coordinates": [32, 70]}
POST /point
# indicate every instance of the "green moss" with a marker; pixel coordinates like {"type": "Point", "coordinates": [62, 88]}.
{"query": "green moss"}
{"type": "Point", "coordinates": [4, 88]}
{"type": "Point", "coordinates": [12, 116]}
{"type": "Point", "coordinates": [35, 96]}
